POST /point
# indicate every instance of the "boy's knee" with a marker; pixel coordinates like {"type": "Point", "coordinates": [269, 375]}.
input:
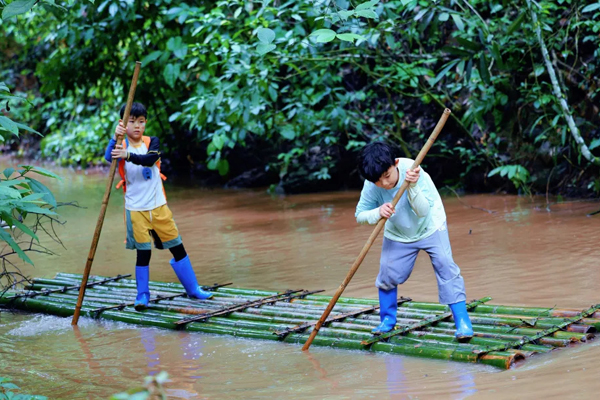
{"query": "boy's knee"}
{"type": "Point", "coordinates": [403, 276]}
{"type": "Point", "coordinates": [452, 291]}
{"type": "Point", "coordinates": [390, 276]}
{"type": "Point", "coordinates": [446, 269]}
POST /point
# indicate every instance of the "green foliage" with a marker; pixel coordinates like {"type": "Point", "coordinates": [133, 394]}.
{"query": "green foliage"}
{"type": "Point", "coordinates": [294, 86]}
{"type": "Point", "coordinates": [7, 391]}
{"type": "Point", "coordinates": [78, 133]}
{"type": "Point", "coordinates": [20, 195]}
{"type": "Point", "coordinates": [517, 174]}
{"type": "Point", "coordinates": [152, 389]}
{"type": "Point", "coordinates": [8, 127]}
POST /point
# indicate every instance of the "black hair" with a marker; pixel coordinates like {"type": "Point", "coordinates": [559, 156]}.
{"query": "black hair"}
{"type": "Point", "coordinates": [137, 110]}
{"type": "Point", "coordinates": [375, 158]}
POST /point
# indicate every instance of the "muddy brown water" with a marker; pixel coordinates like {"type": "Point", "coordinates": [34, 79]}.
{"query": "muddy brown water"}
{"type": "Point", "coordinates": [520, 255]}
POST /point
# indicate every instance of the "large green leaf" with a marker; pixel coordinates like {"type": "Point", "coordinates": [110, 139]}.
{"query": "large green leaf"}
{"type": "Point", "coordinates": [8, 172]}
{"type": "Point", "coordinates": [35, 198]}
{"type": "Point", "coordinates": [345, 14]}
{"type": "Point", "coordinates": [151, 57]}
{"type": "Point", "coordinates": [8, 125]}
{"type": "Point", "coordinates": [468, 44]}
{"type": "Point", "coordinates": [444, 72]}
{"type": "Point", "coordinates": [31, 208]}
{"type": "Point", "coordinates": [177, 46]}
{"type": "Point", "coordinates": [39, 187]}
{"type": "Point", "coordinates": [287, 131]}
{"type": "Point", "coordinates": [591, 7]}
{"type": "Point", "coordinates": [41, 171]}
{"type": "Point", "coordinates": [26, 128]}
{"type": "Point", "coordinates": [11, 242]}
{"type": "Point", "coordinates": [458, 21]}
{"type": "Point", "coordinates": [171, 73]}
{"type": "Point", "coordinates": [349, 37]}
{"type": "Point", "coordinates": [11, 183]}
{"type": "Point", "coordinates": [323, 35]}
{"type": "Point", "coordinates": [497, 54]}
{"type": "Point", "coordinates": [516, 24]}
{"type": "Point", "coordinates": [264, 48]}
{"type": "Point", "coordinates": [17, 7]}
{"type": "Point", "coordinates": [483, 69]}
{"type": "Point", "coordinates": [495, 171]}
{"type": "Point", "coordinates": [10, 221]}
{"type": "Point", "coordinates": [9, 193]}
{"type": "Point", "coordinates": [223, 167]}
{"type": "Point", "coordinates": [218, 141]}
{"type": "Point", "coordinates": [458, 52]}
{"type": "Point", "coordinates": [366, 5]}
{"type": "Point", "coordinates": [367, 14]}
{"type": "Point", "coordinates": [265, 35]}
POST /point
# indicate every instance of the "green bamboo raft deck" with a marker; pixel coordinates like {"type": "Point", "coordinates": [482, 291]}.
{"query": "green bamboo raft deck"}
{"type": "Point", "coordinates": [503, 334]}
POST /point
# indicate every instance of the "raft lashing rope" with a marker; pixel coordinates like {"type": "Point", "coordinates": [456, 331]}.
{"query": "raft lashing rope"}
{"type": "Point", "coordinates": [503, 335]}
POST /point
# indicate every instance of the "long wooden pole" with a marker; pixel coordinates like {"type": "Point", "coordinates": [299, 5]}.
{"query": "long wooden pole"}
{"type": "Point", "coordinates": [111, 177]}
{"type": "Point", "coordinates": [378, 228]}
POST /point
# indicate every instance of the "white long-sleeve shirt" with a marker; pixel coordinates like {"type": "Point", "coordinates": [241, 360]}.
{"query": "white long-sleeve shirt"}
{"type": "Point", "coordinates": [419, 212]}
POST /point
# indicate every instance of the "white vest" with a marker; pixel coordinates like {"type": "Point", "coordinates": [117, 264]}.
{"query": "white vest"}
{"type": "Point", "coordinates": [142, 194]}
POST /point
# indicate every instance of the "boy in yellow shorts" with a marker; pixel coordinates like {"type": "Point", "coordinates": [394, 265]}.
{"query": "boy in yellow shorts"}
{"type": "Point", "coordinates": [147, 215]}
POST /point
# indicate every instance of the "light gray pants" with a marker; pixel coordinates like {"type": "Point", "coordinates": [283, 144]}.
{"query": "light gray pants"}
{"type": "Point", "coordinates": [398, 260]}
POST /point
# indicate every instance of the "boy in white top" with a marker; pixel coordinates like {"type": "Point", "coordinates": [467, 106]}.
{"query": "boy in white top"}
{"type": "Point", "coordinates": [147, 215]}
{"type": "Point", "coordinates": [418, 222]}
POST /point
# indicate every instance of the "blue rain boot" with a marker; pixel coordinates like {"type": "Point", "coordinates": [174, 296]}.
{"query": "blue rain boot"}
{"type": "Point", "coordinates": [464, 329]}
{"type": "Point", "coordinates": [185, 274]}
{"type": "Point", "coordinates": [388, 309]}
{"type": "Point", "coordinates": [142, 274]}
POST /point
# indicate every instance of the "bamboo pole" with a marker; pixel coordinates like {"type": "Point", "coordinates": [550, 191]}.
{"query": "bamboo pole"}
{"type": "Point", "coordinates": [111, 177]}
{"type": "Point", "coordinates": [376, 231]}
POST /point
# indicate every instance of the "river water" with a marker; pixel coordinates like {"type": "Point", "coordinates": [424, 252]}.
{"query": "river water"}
{"type": "Point", "coordinates": [522, 254]}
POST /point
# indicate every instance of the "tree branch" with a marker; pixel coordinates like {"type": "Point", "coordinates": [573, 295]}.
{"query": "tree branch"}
{"type": "Point", "coordinates": [585, 151]}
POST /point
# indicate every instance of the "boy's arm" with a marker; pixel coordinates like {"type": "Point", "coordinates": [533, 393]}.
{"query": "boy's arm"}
{"type": "Point", "coordinates": [418, 196]}
{"type": "Point", "coordinates": [109, 149]}
{"type": "Point", "coordinates": [367, 209]}
{"type": "Point", "coordinates": [148, 159]}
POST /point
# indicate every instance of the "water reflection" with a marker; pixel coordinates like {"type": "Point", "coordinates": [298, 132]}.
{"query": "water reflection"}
{"type": "Point", "coordinates": [152, 356]}
{"type": "Point", "coordinates": [396, 381]}
{"type": "Point", "coordinates": [321, 372]}
{"type": "Point", "coordinates": [155, 346]}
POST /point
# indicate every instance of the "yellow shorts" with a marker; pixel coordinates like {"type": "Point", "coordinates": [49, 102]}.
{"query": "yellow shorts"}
{"type": "Point", "coordinates": [145, 226]}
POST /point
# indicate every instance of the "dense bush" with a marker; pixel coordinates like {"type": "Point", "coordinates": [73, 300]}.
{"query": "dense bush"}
{"type": "Point", "coordinates": [285, 92]}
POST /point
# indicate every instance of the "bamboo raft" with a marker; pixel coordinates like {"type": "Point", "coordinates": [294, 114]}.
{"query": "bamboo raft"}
{"type": "Point", "coordinates": [503, 335]}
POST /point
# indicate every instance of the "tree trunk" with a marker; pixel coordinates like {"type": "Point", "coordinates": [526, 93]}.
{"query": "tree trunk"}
{"type": "Point", "coordinates": [558, 92]}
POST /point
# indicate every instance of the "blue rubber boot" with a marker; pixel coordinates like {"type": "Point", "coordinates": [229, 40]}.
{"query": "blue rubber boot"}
{"type": "Point", "coordinates": [142, 275]}
{"type": "Point", "coordinates": [464, 329]}
{"type": "Point", "coordinates": [185, 274]}
{"type": "Point", "coordinates": [388, 309]}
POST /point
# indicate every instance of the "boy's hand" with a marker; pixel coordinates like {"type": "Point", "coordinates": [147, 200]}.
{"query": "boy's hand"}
{"type": "Point", "coordinates": [386, 210]}
{"type": "Point", "coordinates": [412, 176]}
{"type": "Point", "coordinates": [120, 131]}
{"type": "Point", "coordinates": [118, 152]}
